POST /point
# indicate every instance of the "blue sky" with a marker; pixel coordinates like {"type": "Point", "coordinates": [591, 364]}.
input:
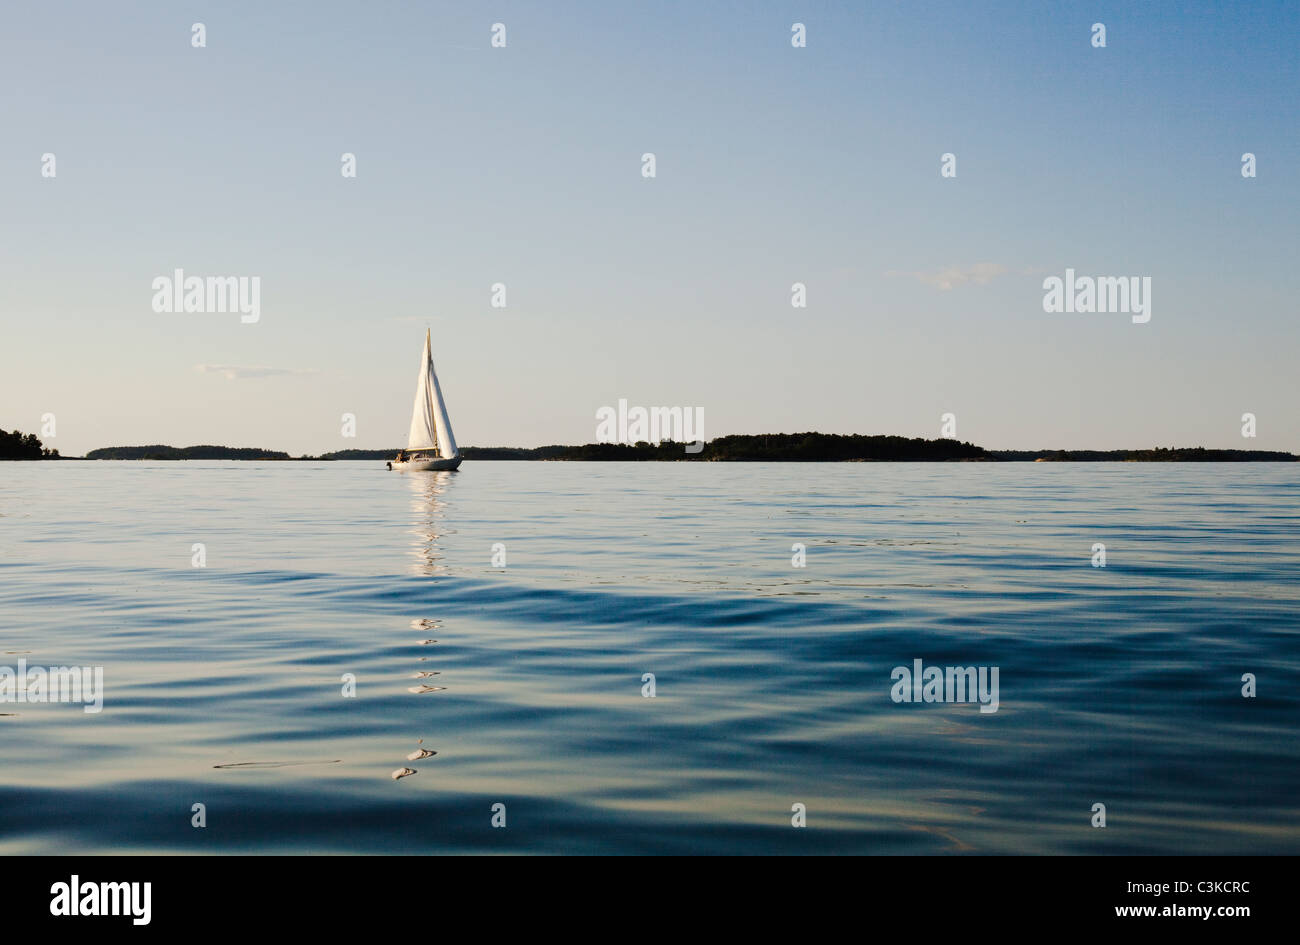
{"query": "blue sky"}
{"type": "Point", "coordinates": [775, 165]}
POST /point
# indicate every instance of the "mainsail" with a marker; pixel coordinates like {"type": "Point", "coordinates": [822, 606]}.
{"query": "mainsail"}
{"type": "Point", "coordinates": [430, 427]}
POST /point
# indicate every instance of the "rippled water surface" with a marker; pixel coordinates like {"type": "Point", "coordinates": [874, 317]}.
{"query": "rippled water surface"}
{"type": "Point", "coordinates": [224, 684]}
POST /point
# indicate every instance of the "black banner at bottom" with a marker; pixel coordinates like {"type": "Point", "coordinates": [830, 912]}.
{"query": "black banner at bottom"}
{"type": "Point", "coordinates": [370, 894]}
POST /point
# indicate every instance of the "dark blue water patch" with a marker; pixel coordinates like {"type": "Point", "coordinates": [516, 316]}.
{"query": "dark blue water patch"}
{"type": "Point", "coordinates": [156, 817]}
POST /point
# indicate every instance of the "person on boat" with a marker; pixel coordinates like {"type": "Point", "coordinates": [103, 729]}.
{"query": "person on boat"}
{"type": "Point", "coordinates": [401, 456]}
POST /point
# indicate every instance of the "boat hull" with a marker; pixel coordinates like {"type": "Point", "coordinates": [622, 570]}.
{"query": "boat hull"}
{"type": "Point", "coordinates": [426, 465]}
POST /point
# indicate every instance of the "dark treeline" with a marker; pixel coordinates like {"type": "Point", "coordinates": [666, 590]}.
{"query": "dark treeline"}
{"type": "Point", "coordinates": [18, 445]}
{"type": "Point", "coordinates": [832, 447]}
{"type": "Point", "coordinates": [785, 447]}
{"type": "Point", "coordinates": [159, 451]}
{"type": "Point", "coordinates": [774, 447]}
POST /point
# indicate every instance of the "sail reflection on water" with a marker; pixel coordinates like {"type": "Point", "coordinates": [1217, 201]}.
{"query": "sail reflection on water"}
{"type": "Point", "coordinates": [427, 514]}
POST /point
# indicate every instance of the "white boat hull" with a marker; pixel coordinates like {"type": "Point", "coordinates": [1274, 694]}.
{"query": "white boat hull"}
{"type": "Point", "coordinates": [426, 465]}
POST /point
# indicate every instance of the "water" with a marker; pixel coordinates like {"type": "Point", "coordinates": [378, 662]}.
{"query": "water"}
{"type": "Point", "coordinates": [1118, 685]}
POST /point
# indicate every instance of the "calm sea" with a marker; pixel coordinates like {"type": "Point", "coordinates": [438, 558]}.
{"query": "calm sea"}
{"type": "Point", "coordinates": [224, 684]}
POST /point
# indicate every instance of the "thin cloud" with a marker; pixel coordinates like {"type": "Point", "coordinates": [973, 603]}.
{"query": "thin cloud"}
{"type": "Point", "coordinates": [233, 372]}
{"type": "Point", "coordinates": [950, 277]}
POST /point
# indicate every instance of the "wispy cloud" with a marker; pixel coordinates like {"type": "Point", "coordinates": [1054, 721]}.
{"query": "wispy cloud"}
{"type": "Point", "coordinates": [951, 276]}
{"type": "Point", "coordinates": [233, 372]}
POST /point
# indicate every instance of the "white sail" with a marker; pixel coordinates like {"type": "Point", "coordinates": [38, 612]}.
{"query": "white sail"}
{"type": "Point", "coordinates": [422, 435]}
{"type": "Point", "coordinates": [442, 423]}
{"type": "Point", "coordinates": [430, 427]}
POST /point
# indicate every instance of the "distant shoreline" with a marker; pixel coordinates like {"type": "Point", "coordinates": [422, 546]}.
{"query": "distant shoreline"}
{"type": "Point", "coordinates": [776, 447]}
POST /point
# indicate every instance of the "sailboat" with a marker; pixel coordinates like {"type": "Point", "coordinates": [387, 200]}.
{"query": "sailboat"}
{"type": "Point", "coordinates": [431, 444]}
